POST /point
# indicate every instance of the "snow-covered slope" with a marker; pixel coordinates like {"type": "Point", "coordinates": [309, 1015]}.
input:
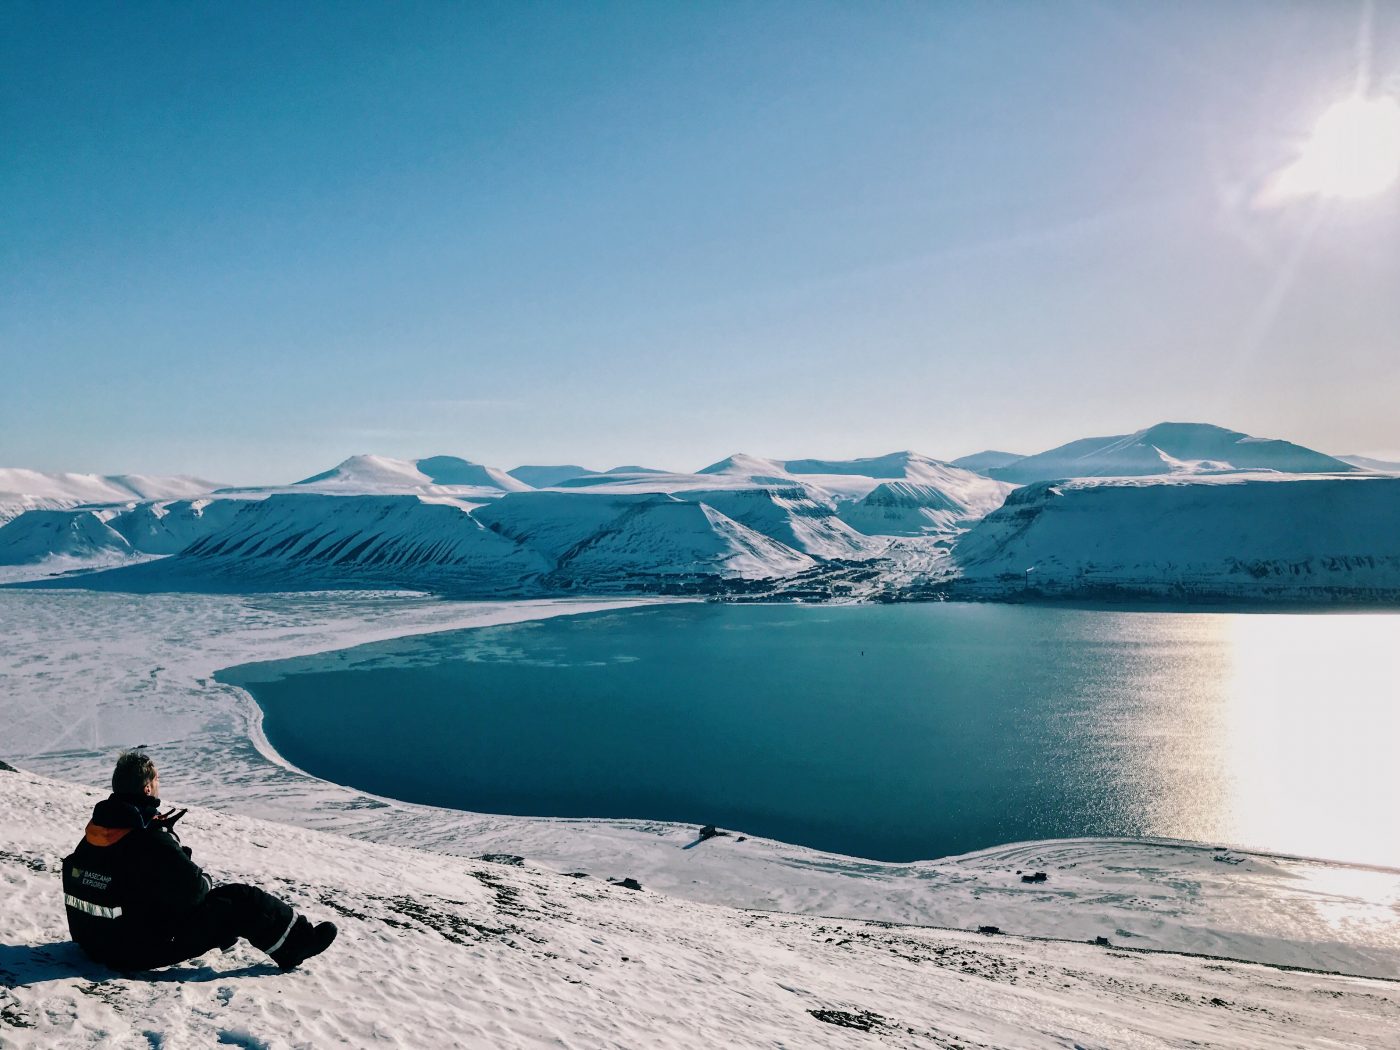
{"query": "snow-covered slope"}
{"type": "Point", "coordinates": [930, 498]}
{"type": "Point", "coordinates": [912, 508]}
{"type": "Point", "coordinates": [657, 481]}
{"type": "Point", "coordinates": [168, 527]}
{"type": "Point", "coordinates": [543, 477]}
{"type": "Point", "coordinates": [906, 465]}
{"type": "Point", "coordinates": [22, 489]}
{"type": "Point", "coordinates": [372, 474]}
{"type": "Point", "coordinates": [440, 951]}
{"type": "Point", "coordinates": [86, 537]}
{"type": "Point", "coordinates": [744, 465]}
{"type": "Point", "coordinates": [986, 460]}
{"type": "Point", "coordinates": [934, 484]}
{"type": "Point", "coordinates": [296, 542]}
{"type": "Point", "coordinates": [609, 539]}
{"type": "Point", "coordinates": [1168, 448]}
{"type": "Point", "coordinates": [756, 493]}
{"type": "Point", "coordinates": [618, 476]}
{"type": "Point", "coordinates": [899, 494]}
{"type": "Point", "coordinates": [796, 512]}
{"type": "Point", "coordinates": [524, 542]}
{"type": "Point", "coordinates": [1384, 466]}
{"type": "Point", "coordinates": [1261, 536]}
{"type": "Point", "coordinates": [791, 514]}
{"type": "Point", "coordinates": [749, 519]}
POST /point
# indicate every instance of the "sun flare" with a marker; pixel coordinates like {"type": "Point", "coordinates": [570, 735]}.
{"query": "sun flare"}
{"type": "Point", "coordinates": [1353, 152]}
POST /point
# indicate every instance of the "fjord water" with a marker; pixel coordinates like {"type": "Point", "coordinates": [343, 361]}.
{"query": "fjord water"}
{"type": "Point", "coordinates": [890, 732]}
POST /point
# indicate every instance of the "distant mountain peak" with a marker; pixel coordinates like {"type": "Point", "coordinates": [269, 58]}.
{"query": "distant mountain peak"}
{"type": "Point", "coordinates": [892, 465]}
{"type": "Point", "coordinates": [23, 489]}
{"type": "Point", "coordinates": [371, 473]}
{"type": "Point", "coordinates": [1169, 448]}
{"type": "Point", "coordinates": [987, 459]}
{"type": "Point", "coordinates": [547, 476]}
{"type": "Point", "coordinates": [1385, 466]}
{"type": "Point", "coordinates": [743, 463]}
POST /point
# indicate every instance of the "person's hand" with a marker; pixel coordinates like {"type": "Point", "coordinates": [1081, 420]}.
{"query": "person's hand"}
{"type": "Point", "coordinates": [170, 816]}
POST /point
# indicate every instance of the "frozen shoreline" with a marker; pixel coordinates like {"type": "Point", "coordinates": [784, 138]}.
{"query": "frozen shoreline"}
{"type": "Point", "coordinates": [91, 672]}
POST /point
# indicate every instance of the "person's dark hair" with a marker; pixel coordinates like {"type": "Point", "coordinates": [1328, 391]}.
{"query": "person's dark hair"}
{"type": "Point", "coordinates": [134, 771]}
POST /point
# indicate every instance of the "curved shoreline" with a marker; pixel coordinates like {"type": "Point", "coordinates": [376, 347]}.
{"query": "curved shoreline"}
{"type": "Point", "coordinates": [89, 673]}
{"type": "Point", "coordinates": [431, 724]}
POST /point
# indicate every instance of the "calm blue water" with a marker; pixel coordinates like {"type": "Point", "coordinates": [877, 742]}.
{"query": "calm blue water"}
{"type": "Point", "coordinates": [890, 732]}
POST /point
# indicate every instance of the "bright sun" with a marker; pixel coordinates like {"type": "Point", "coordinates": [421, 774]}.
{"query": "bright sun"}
{"type": "Point", "coordinates": [1354, 152]}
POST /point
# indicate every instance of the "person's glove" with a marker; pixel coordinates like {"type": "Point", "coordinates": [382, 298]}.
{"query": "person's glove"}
{"type": "Point", "coordinates": [166, 822]}
{"type": "Point", "coordinates": [169, 817]}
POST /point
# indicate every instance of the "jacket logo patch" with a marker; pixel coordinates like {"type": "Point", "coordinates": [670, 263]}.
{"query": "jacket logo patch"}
{"type": "Point", "coordinates": [93, 880]}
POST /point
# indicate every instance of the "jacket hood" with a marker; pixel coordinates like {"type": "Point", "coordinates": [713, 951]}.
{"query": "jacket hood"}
{"type": "Point", "coordinates": [119, 814]}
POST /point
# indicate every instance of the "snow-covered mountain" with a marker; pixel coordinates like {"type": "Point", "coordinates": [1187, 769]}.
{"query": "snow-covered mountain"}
{"type": "Point", "coordinates": [661, 530]}
{"type": "Point", "coordinates": [743, 465]}
{"type": "Point", "coordinates": [988, 459]}
{"type": "Point", "coordinates": [656, 538]}
{"type": "Point", "coordinates": [1384, 466]}
{"type": "Point", "coordinates": [1168, 448]}
{"type": "Point", "coordinates": [22, 489]}
{"type": "Point", "coordinates": [165, 527]}
{"type": "Point", "coordinates": [907, 466]}
{"type": "Point", "coordinates": [909, 494]}
{"type": "Point", "coordinates": [922, 508]}
{"type": "Point", "coordinates": [363, 474]}
{"type": "Point", "coordinates": [304, 541]}
{"type": "Point", "coordinates": [1261, 536]}
{"type": "Point", "coordinates": [543, 477]}
{"type": "Point", "coordinates": [111, 534]}
{"type": "Point", "coordinates": [900, 494]}
{"type": "Point", "coordinates": [448, 525]}
{"type": "Point", "coordinates": [791, 514]}
{"type": "Point", "coordinates": [524, 543]}
{"type": "Point", "coordinates": [61, 534]}
{"type": "Point", "coordinates": [657, 481]}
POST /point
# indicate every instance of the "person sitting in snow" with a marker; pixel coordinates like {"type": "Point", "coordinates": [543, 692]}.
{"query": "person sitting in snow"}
{"type": "Point", "coordinates": [136, 900]}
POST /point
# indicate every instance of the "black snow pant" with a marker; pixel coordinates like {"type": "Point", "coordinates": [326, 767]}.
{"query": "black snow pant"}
{"type": "Point", "coordinates": [226, 914]}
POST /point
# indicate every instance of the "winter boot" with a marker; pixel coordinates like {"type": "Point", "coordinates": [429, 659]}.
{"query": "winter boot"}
{"type": "Point", "coordinates": [302, 942]}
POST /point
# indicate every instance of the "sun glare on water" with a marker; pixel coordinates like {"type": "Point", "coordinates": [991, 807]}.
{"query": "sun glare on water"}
{"type": "Point", "coordinates": [1353, 152]}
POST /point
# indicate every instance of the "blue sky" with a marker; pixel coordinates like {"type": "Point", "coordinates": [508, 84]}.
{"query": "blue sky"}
{"type": "Point", "coordinates": [247, 241]}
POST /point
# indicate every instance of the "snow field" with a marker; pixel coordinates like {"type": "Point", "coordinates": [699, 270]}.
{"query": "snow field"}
{"type": "Point", "coordinates": [440, 951]}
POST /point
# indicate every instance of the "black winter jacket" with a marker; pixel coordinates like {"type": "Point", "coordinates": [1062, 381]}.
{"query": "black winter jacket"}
{"type": "Point", "coordinates": [128, 884]}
